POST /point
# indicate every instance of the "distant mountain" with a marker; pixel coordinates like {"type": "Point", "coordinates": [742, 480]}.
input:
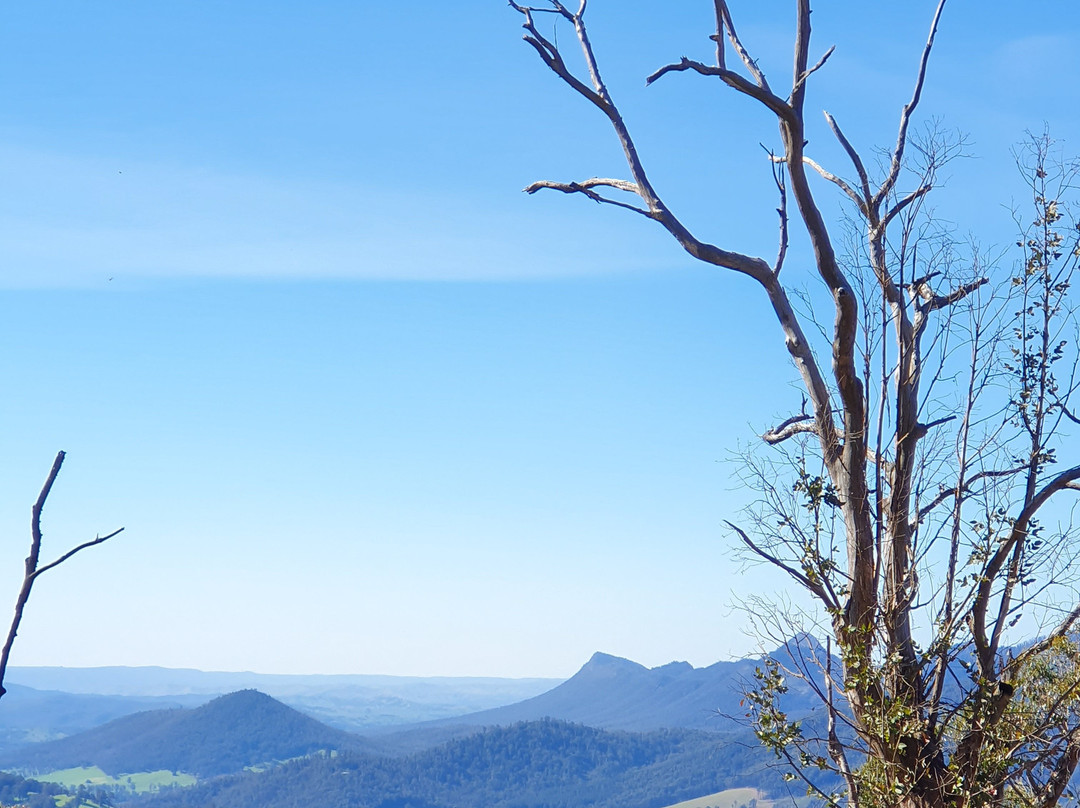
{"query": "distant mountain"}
{"type": "Point", "coordinates": [223, 736]}
{"type": "Point", "coordinates": [527, 765]}
{"type": "Point", "coordinates": [614, 693]}
{"type": "Point", "coordinates": [352, 702]}
{"type": "Point", "coordinates": [31, 716]}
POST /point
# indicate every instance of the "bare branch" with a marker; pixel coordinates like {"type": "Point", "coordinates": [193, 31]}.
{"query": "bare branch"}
{"type": "Point", "coordinates": [812, 586]}
{"type": "Point", "coordinates": [807, 73]}
{"type": "Point", "coordinates": [586, 188]}
{"type": "Point", "coordinates": [837, 181]}
{"type": "Point", "coordinates": [835, 747]}
{"type": "Point", "coordinates": [778, 177]}
{"type": "Point", "coordinates": [860, 169]}
{"type": "Point", "coordinates": [550, 55]}
{"type": "Point", "coordinates": [795, 425]}
{"type": "Point", "coordinates": [1037, 649]}
{"type": "Point", "coordinates": [736, 43]}
{"type": "Point", "coordinates": [984, 645]}
{"type": "Point", "coordinates": [732, 79]}
{"type": "Point", "coordinates": [909, 108]}
{"type": "Point", "coordinates": [915, 195]}
{"type": "Point", "coordinates": [32, 568]}
{"type": "Point", "coordinates": [949, 493]}
{"type": "Point", "coordinates": [92, 542]}
{"type": "Point", "coordinates": [718, 37]}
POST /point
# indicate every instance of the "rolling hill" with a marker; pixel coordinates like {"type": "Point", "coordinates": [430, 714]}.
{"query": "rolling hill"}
{"type": "Point", "coordinates": [28, 715]}
{"type": "Point", "coordinates": [346, 701]}
{"type": "Point", "coordinates": [225, 735]}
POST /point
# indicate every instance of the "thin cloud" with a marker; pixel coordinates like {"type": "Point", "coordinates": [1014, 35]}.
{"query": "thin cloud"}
{"type": "Point", "coordinates": [75, 221]}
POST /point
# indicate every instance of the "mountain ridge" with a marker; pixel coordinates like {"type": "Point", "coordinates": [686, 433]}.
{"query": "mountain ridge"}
{"type": "Point", "coordinates": [614, 693]}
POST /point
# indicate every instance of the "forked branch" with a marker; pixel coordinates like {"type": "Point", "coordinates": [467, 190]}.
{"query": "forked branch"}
{"type": "Point", "coordinates": [909, 109]}
{"type": "Point", "coordinates": [33, 569]}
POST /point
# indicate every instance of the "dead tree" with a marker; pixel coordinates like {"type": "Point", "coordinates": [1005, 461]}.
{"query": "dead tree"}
{"type": "Point", "coordinates": [34, 567]}
{"type": "Point", "coordinates": [923, 471]}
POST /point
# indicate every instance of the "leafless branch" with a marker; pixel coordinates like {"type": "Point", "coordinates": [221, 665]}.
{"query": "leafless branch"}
{"type": "Point", "coordinates": [760, 92]}
{"type": "Point", "coordinates": [91, 543]}
{"type": "Point", "coordinates": [736, 43]}
{"type": "Point", "coordinates": [856, 160]}
{"type": "Point", "coordinates": [781, 187]}
{"type": "Point", "coordinates": [807, 73]}
{"type": "Point", "coordinates": [909, 109]}
{"type": "Point", "coordinates": [586, 188]}
{"type": "Point", "coordinates": [898, 208]}
{"type": "Point", "coordinates": [949, 493]}
{"type": "Point", "coordinates": [795, 425]}
{"type": "Point", "coordinates": [837, 181]}
{"type": "Point", "coordinates": [33, 570]}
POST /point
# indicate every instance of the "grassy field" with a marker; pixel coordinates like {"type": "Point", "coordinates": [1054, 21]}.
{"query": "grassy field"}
{"type": "Point", "coordinates": [732, 798]}
{"type": "Point", "coordinates": [139, 782]}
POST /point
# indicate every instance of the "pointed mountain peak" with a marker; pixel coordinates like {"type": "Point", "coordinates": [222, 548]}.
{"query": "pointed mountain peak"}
{"type": "Point", "coordinates": [606, 665]}
{"type": "Point", "coordinates": [802, 646]}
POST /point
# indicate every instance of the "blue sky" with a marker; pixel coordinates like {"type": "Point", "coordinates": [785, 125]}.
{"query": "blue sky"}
{"type": "Point", "coordinates": [267, 275]}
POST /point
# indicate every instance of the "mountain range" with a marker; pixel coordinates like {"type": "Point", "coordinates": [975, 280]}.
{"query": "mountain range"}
{"type": "Point", "coordinates": [349, 702]}
{"type": "Point", "coordinates": [610, 692]}
{"type": "Point", "coordinates": [619, 732]}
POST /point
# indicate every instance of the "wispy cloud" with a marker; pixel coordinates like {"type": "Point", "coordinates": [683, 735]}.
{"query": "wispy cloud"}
{"type": "Point", "coordinates": [67, 220]}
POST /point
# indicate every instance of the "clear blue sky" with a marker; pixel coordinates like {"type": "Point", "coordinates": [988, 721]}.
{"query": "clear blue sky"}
{"type": "Point", "coordinates": [266, 273]}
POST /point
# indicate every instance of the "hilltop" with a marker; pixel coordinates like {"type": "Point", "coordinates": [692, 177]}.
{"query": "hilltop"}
{"type": "Point", "coordinates": [225, 735]}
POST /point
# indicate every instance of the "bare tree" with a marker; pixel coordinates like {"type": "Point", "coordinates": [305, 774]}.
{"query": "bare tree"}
{"type": "Point", "coordinates": [34, 567]}
{"type": "Point", "coordinates": [922, 468]}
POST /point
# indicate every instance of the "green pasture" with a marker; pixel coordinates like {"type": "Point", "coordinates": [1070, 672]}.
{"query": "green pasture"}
{"type": "Point", "coordinates": [138, 782]}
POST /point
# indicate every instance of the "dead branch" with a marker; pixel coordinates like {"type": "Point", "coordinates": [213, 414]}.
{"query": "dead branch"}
{"type": "Point", "coordinates": [33, 570]}
{"type": "Point", "coordinates": [795, 425]}
{"type": "Point", "coordinates": [586, 188]}
{"type": "Point", "coordinates": [860, 169]}
{"type": "Point", "coordinates": [909, 109]}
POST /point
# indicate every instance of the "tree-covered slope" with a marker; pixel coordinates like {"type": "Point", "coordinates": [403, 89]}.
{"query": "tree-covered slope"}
{"type": "Point", "coordinates": [528, 765]}
{"type": "Point", "coordinates": [225, 735]}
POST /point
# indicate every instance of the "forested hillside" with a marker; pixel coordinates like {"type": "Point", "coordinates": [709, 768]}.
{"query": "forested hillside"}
{"type": "Point", "coordinates": [529, 765]}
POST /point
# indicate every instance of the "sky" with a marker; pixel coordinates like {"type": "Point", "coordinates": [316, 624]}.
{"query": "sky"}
{"type": "Point", "coordinates": [362, 406]}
